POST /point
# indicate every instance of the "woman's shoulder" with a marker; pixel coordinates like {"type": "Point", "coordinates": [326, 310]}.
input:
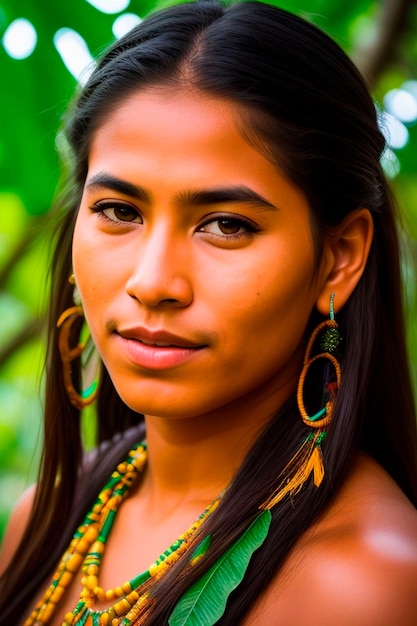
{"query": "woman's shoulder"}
{"type": "Point", "coordinates": [357, 565]}
{"type": "Point", "coordinates": [16, 527]}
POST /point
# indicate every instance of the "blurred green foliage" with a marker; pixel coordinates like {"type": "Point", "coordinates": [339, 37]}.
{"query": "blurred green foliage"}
{"type": "Point", "coordinates": [35, 93]}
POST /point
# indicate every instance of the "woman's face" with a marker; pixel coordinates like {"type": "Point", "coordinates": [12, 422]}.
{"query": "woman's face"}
{"type": "Point", "coordinates": [194, 259]}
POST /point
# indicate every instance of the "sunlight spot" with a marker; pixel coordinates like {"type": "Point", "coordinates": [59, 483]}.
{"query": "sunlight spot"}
{"type": "Point", "coordinates": [124, 23]}
{"type": "Point", "coordinates": [20, 39]}
{"type": "Point", "coordinates": [75, 54]}
{"type": "Point", "coordinates": [402, 104]}
{"type": "Point", "coordinates": [394, 131]}
{"type": "Point", "coordinates": [390, 163]}
{"type": "Point", "coordinates": [110, 6]}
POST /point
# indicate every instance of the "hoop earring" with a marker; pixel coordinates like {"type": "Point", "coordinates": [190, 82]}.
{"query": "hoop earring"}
{"type": "Point", "coordinates": [329, 342]}
{"type": "Point", "coordinates": [308, 459]}
{"type": "Point", "coordinates": [69, 354]}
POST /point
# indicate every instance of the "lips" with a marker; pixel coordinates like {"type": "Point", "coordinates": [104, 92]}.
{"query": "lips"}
{"type": "Point", "coordinates": [158, 338]}
{"type": "Point", "coordinates": [156, 350]}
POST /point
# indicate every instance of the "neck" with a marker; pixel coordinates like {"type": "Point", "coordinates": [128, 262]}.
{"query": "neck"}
{"type": "Point", "coordinates": [185, 466]}
{"type": "Point", "coordinates": [192, 459]}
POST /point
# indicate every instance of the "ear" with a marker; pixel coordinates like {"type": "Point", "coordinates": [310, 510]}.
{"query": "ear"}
{"type": "Point", "coordinates": [347, 250]}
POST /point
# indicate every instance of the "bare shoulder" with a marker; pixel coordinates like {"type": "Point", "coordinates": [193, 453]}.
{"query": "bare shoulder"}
{"type": "Point", "coordinates": [358, 565]}
{"type": "Point", "coordinates": [16, 527]}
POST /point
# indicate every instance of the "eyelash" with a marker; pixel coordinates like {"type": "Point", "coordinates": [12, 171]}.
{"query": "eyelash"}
{"type": "Point", "coordinates": [249, 227]}
{"type": "Point", "coordinates": [105, 205]}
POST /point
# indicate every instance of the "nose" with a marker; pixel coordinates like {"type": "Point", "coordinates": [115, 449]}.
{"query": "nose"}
{"type": "Point", "coordinates": [161, 272]}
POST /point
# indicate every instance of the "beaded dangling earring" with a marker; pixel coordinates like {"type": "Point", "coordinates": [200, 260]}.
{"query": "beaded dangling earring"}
{"type": "Point", "coordinates": [308, 458]}
{"type": "Point", "coordinates": [84, 350]}
{"type": "Point", "coordinates": [328, 344]}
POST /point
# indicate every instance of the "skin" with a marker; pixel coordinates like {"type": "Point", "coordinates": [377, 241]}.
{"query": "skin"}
{"type": "Point", "coordinates": [357, 565]}
{"type": "Point", "coordinates": [161, 260]}
{"type": "Point", "coordinates": [244, 298]}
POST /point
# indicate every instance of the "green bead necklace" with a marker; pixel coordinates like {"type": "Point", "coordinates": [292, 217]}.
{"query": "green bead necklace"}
{"type": "Point", "coordinates": [86, 551]}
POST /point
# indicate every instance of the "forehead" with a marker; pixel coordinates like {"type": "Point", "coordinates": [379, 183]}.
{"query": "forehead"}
{"type": "Point", "coordinates": [185, 136]}
{"type": "Point", "coordinates": [167, 113]}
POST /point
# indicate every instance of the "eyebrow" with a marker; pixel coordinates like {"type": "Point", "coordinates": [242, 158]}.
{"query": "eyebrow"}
{"type": "Point", "coordinates": [107, 181]}
{"type": "Point", "coordinates": [238, 193]}
{"type": "Point", "coordinates": [235, 193]}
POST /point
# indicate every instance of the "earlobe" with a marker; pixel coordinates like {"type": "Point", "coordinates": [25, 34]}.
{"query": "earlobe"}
{"type": "Point", "coordinates": [349, 245]}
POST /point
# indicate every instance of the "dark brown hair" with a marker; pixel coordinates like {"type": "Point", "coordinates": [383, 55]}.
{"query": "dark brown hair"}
{"type": "Point", "coordinates": [308, 108]}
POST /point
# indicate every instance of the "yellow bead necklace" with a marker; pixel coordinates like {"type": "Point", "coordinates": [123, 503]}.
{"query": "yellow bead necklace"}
{"type": "Point", "coordinates": [86, 551]}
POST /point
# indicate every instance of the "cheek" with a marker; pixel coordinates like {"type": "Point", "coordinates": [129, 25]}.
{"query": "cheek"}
{"type": "Point", "coordinates": [91, 274]}
{"type": "Point", "coordinates": [269, 309]}
{"type": "Point", "coordinates": [96, 263]}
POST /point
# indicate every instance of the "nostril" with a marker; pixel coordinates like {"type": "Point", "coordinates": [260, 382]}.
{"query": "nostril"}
{"type": "Point", "coordinates": [150, 292]}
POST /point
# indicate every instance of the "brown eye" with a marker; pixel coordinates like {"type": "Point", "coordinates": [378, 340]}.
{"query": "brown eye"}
{"type": "Point", "coordinates": [118, 212]}
{"type": "Point", "coordinates": [229, 226]}
{"type": "Point", "coordinates": [124, 213]}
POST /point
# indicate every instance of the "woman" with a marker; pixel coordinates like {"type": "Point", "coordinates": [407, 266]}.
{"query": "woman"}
{"type": "Point", "coordinates": [235, 252]}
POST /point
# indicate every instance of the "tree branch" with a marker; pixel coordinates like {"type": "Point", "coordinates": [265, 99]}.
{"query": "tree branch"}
{"type": "Point", "coordinates": [26, 334]}
{"type": "Point", "coordinates": [392, 24]}
{"type": "Point", "coordinates": [31, 233]}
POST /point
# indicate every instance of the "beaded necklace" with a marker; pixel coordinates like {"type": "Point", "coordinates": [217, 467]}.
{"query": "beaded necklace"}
{"type": "Point", "coordinates": [86, 551]}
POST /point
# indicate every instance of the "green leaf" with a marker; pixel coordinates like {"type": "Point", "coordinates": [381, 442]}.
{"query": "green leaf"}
{"type": "Point", "coordinates": [201, 550]}
{"type": "Point", "coordinates": [204, 603]}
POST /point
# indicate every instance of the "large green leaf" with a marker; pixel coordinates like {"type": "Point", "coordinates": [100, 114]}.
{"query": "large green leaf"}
{"type": "Point", "coordinates": [205, 602]}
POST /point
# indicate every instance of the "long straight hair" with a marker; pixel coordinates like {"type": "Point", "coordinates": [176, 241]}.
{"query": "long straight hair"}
{"type": "Point", "coordinates": [304, 104]}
